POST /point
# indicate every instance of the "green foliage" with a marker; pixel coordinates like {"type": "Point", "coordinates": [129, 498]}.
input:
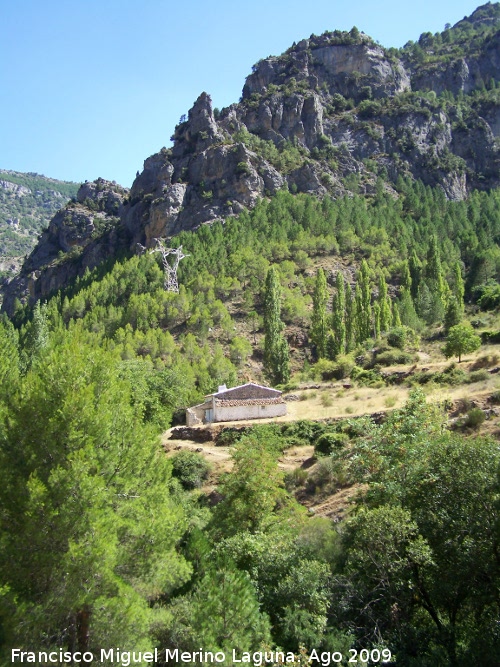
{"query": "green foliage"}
{"type": "Point", "coordinates": [488, 295]}
{"type": "Point", "coordinates": [319, 324]}
{"type": "Point", "coordinates": [475, 417]}
{"type": "Point", "coordinates": [252, 492]}
{"type": "Point", "coordinates": [93, 478]}
{"type": "Point", "coordinates": [329, 442]}
{"type": "Point", "coordinates": [337, 340]}
{"type": "Point", "coordinates": [190, 468]}
{"type": "Point", "coordinates": [239, 350]}
{"type": "Point", "coordinates": [461, 339]}
{"type": "Point", "coordinates": [276, 359]}
{"type": "Point", "coordinates": [221, 614]}
{"type": "Point", "coordinates": [29, 210]}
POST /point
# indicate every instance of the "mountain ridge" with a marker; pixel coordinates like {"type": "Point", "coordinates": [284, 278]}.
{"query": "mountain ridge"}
{"type": "Point", "coordinates": [335, 114]}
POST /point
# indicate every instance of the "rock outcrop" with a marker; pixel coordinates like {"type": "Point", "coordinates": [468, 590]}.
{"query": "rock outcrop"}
{"type": "Point", "coordinates": [334, 113]}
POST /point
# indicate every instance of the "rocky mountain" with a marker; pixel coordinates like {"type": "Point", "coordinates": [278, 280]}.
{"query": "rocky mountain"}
{"type": "Point", "coordinates": [27, 203]}
{"type": "Point", "coordinates": [335, 113]}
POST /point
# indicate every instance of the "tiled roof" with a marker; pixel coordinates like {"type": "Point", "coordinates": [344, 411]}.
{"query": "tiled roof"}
{"type": "Point", "coordinates": [248, 401]}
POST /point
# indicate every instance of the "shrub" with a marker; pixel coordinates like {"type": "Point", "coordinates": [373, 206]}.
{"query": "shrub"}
{"type": "Point", "coordinates": [323, 369]}
{"type": "Point", "coordinates": [296, 478]}
{"type": "Point", "coordinates": [330, 442]}
{"type": "Point", "coordinates": [326, 400]}
{"type": "Point", "coordinates": [474, 419]}
{"type": "Point", "coordinates": [485, 361]}
{"type": "Point", "coordinates": [401, 337]}
{"type": "Point", "coordinates": [190, 468]}
{"type": "Point", "coordinates": [393, 357]}
{"type": "Point", "coordinates": [367, 378]}
{"type": "Point", "coordinates": [303, 432]}
{"type": "Point", "coordinates": [478, 376]}
{"type": "Point", "coordinates": [343, 366]}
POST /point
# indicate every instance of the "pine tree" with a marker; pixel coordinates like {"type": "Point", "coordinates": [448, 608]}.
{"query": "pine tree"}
{"type": "Point", "coordinates": [89, 529]}
{"type": "Point", "coordinates": [319, 324]}
{"type": "Point", "coordinates": [276, 356]}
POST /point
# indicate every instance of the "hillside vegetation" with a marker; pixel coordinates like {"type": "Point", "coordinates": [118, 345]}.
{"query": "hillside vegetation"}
{"type": "Point", "coordinates": [356, 269]}
{"type": "Point", "coordinates": [27, 203]}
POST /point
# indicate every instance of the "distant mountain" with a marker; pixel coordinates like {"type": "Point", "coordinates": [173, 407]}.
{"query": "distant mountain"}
{"type": "Point", "coordinates": [27, 203]}
{"type": "Point", "coordinates": [335, 114]}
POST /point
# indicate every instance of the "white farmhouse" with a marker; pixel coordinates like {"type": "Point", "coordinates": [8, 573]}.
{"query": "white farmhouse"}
{"type": "Point", "coordinates": [248, 401]}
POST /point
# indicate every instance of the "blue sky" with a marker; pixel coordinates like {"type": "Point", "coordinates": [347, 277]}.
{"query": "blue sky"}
{"type": "Point", "coordinates": [93, 88]}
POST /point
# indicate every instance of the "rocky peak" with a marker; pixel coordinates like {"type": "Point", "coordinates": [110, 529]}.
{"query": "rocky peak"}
{"type": "Point", "coordinates": [334, 113]}
{"type": "Point", "coordinates": [335, 61]}
{"type": "Point", "coordinates": [200, 129]}
{"type": "Point", "coordinates": [487, 15]}
{"type": "Point", "coordinates": [102, 195]}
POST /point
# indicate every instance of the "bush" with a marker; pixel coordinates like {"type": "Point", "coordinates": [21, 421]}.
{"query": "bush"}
{"type": "Point", "coordinates": [393, 357]}
{"type": "Point", "coordinates": [478, 376]}
{"type": "Point", "coordinates": [323, 370]}
{"type": "Point", "coordinates": [303, 432]}
{"type": "Point", "coordinates": [330, 442]}
{"type": "Point", "coordinates": [474, 419]}
{"type": "Point", "coordinates": [326, 400]}
{"type": "Point", "coordinates": [190, 468]}
{"type": "Point", "coordinates": [485, 361]}
{"type": "Point", "coordinates": [401, 337]}
{"type": "Point", "coordinates": [367, 378]}
{"type": "Point", "coordinates": [343, 366]}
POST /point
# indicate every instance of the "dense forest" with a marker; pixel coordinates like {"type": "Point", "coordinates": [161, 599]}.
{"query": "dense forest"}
{"type": "Point", "coordinates": [106, 542]}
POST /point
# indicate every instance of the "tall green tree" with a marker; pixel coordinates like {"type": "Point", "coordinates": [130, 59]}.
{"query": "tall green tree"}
{"type": "Point", "coordinates": [88, 528]}
{"type": "Point", "coordinates": [319, 320]}
{"type": "Point", "coordinates": [276, 354]}
{"type": "Point", "coordinates": [339, 316]}
{"type": "Point", "coordinates": [415, 270]}
{"type": "Point", "coordinates": [350, 318]}
{"type": "Point", "coordinates": [461, 340]}
{"type": "Point", "coordinates": [384, 305]}
{"type": "Point", "coordinates": [363, 304]}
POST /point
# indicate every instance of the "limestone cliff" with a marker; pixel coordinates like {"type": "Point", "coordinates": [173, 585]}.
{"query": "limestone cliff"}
{"type": "Point", "coordinates": [334, 113]}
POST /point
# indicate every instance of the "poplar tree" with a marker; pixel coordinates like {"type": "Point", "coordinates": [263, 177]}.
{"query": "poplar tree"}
{"type": "Point", "coordinates": [363, 304]}
{"type": "Point", "coordinates": [406, 280]}
{"type": "Point", "coordinates": [458, 288]}
{"type": "Point", "coordinates": [350, 308]}
{"type": "Point", "coordinates": [339, 317]}
{"type": "Point", "coordinates": [415, 269]}
{"type": "Point", "coordinates": [432, 292]}
{"type": "Point", "coordinates": [276, 356]}
{"type": "Point", "coordinates": [384, 303]}
{"type": "Point", "coordinates": [376, 319]}
{"type": "Point", "coordinates": [319, 322]}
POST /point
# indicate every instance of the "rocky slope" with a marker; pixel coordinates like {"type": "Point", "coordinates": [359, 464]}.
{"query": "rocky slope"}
{"type": "Point", "coordinates": [335, 113]}
{"type": "Point", "coordinates": [27, 203]}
